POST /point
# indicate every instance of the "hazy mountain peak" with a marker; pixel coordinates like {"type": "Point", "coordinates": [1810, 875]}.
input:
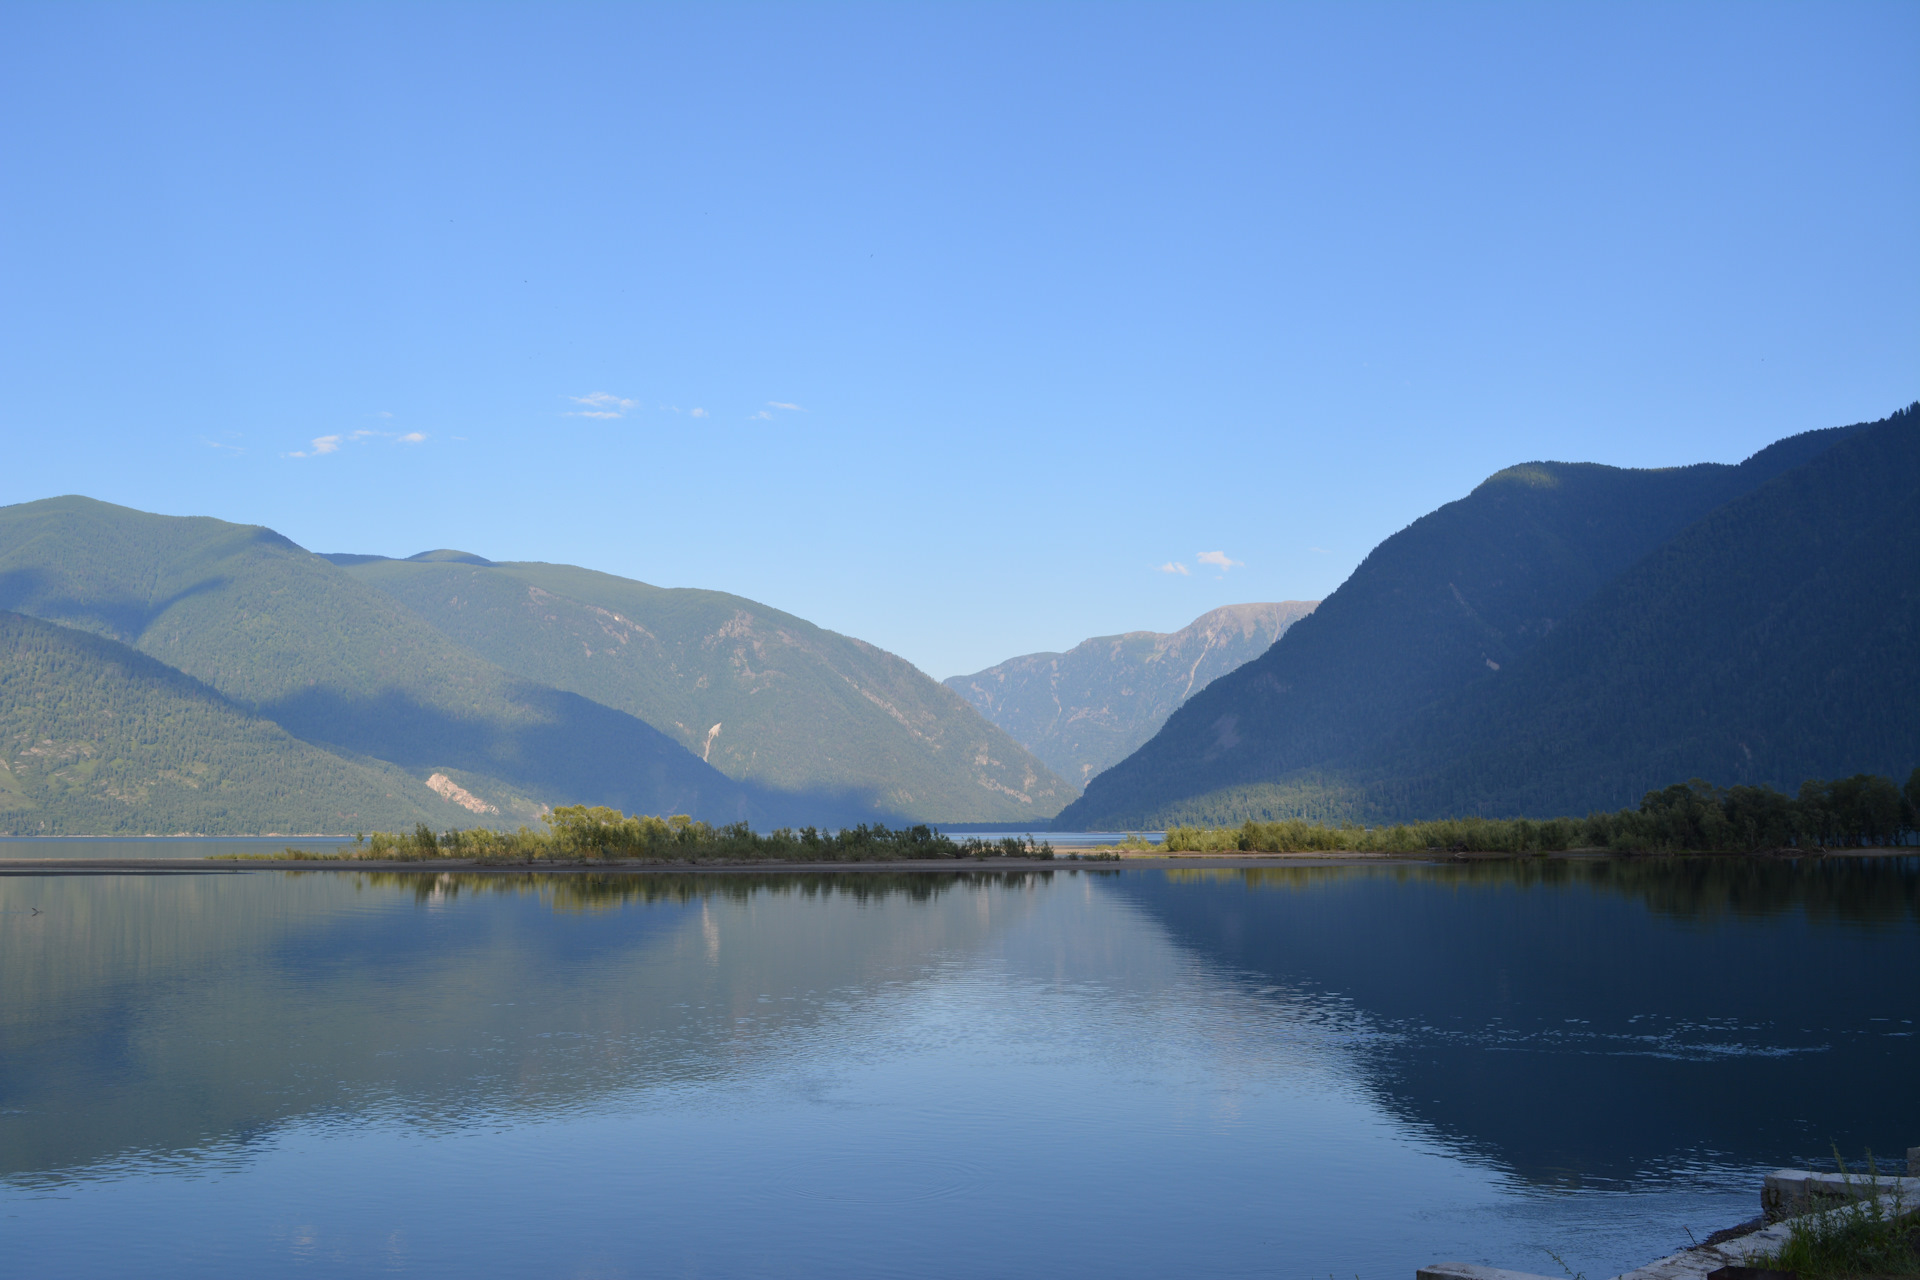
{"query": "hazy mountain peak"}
{"type": "Point", "coordinates": [1087, 708]}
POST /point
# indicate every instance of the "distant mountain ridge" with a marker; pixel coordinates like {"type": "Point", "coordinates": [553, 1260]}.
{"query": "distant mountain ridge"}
{"type": "Point", "coordinates": [1088, 708]}
{"type": "Point", "coordinates": [1369, 707]}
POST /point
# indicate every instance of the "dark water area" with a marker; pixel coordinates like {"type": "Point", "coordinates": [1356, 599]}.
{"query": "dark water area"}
{"type": "Point", "coordinates": [1073, 1072]}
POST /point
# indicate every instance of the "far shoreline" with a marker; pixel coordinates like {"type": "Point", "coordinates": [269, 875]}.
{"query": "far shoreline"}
{"type": "Point", "coordinates": [1127, 860]}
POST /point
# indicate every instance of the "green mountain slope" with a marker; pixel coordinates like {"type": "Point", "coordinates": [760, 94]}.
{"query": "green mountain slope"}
{"type": "Point", "coordinates": [98, 739]}
{"type": "Point", "coordinates": [1085, 710]}
{"type": "Point", "coordinates": [832, 728]}
{"type": "Point", "coordinates": [1452, 600]}
{"type": "Point", "coordinates": [1775, 640]}
{"type": "Point", "coordinates": [290, 637]}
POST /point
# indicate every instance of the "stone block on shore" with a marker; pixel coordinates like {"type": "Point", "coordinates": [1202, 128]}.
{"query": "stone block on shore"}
{"type": "Point", "coordinates": [1788, 1193]}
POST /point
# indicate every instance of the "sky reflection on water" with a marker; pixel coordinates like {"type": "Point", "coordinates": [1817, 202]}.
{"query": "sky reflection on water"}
{"type": "Point", "coordinates": [1136, 1073]}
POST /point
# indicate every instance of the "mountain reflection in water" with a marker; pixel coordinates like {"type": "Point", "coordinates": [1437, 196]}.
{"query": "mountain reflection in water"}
{"type": "Point", "coordinates": [157, 1017]}
{"type": "Point", "coordinates": [1134, 1072]}
{"type": "Point", "coordinates": [1605, 1020]}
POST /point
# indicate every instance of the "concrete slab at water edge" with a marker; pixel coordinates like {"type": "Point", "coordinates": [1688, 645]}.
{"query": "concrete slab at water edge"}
{"type": "Point", "coordinates": [1788, 1190]}
{"type": "Point", "coordinates": [1471, 1271]}
{"type": "Point", "coordinates": [1688, 1264]}
{"type": "Point", "coordinates": [1789, 1193]}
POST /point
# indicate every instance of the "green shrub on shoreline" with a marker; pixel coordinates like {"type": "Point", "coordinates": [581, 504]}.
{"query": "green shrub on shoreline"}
{"type": "Point", "coordinates": [578, 832]}
{"type": "Point", "coordinates": [1864, 810]}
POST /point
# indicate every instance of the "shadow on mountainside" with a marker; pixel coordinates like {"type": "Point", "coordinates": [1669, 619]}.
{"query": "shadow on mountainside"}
{"type": "Point", "coordinates": [561, 747]}
{"type": "Point", "coordinates": [124, 617]}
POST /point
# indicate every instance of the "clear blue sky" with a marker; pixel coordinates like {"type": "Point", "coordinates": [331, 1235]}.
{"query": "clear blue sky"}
{"type": "Point", "coordinates": [949, 327]}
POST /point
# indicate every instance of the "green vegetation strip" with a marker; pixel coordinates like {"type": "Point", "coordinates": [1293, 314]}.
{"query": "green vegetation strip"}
{"type": "Point", "coordinates": [1864, 1238]}
{"type": "Point", "coordinates": [1861, 811]}
{"type": "Point", "coordinates": [578, 832]}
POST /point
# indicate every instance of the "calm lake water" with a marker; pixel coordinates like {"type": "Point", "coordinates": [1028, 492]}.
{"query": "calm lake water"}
{"type": "Point", "coordinates": [1138, 1073]}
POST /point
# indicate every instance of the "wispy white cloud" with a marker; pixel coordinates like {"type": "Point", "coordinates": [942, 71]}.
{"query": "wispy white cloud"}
{"type": "Point", "coordinates": [1174, 566]}
{"type": "Point", "coordinates": [697, 413]}
{"type": "Point", "coordinates": [1219, 560]}
{"type": "Point", "coordinates": [383, 414]}
{"type": "Point", "coordinates": [600, 404]}
{"type": "Point", "coordinates": [221, 445]}
{"type": "Point", "coordinates": [321, 446]}
{"type": "Point", "coordinates": [1320, 551]}
{"type": "Point", "coordinates": [762, 414]}
{"type": "Point", "coordinates": [781, 404]}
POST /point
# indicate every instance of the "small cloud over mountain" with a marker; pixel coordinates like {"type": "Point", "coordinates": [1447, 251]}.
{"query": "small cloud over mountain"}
{"type": "Point", "coordinates": [781, 404]}
{"type": "Point", "coordinates": [1174, 566]}
{"type": "Point", "coordinates": [324, 445]}
{"type": "Point", "coordinates": [1219, 560]}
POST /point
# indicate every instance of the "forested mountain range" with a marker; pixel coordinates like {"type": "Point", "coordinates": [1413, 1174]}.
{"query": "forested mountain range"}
{"type": "Point", "coordinates": [97, 738]}
{"type": "Point", "coordinates": [292, 639]}
{"type": "Point", "coordinates": [766, 697]}
{"type": "Point", "coordinates": [1570, 635]}
{"type": "Point", "coordinates": [1089, 708]}
{"type": "Point", "coordinates": [284, 637]}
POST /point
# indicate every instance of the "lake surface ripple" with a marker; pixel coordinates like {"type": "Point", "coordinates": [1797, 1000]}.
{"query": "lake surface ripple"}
{"type": "Point", "coordinates": [1300, 1072]}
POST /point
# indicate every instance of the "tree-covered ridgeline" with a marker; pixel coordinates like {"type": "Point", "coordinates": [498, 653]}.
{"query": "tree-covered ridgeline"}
{"type": "Point", "coordinates": [580, 832]}
{"type": "Point", "coordinates": [1863, 811]}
